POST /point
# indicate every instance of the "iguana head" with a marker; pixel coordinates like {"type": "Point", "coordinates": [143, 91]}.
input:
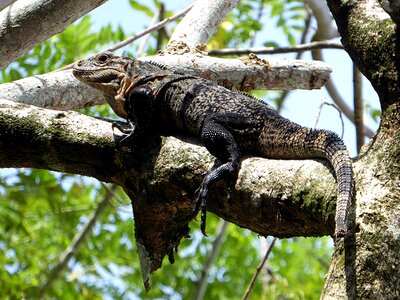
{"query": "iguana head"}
{"type": "Point", "coordinates": [104, 72]}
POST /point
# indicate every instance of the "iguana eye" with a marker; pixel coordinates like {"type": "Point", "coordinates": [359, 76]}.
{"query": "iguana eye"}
{"type": "Point", "coordinates": [103, 57]}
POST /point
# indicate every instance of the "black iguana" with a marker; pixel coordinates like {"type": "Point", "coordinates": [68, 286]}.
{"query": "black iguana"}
{"type": "Point", "coordinates": [154, 98]}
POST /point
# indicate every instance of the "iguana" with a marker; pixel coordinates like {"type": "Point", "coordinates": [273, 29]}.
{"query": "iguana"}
{"type": "Point", "coordinates": [156, 99]}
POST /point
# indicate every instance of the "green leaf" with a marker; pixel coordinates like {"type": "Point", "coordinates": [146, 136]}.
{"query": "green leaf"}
{"type": "Point", "coordinates": [143, 8]}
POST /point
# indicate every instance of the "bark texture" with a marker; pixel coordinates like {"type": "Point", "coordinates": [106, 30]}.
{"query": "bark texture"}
{"type": "Point", "coordinates": [367, 265]}
{"type": "Point", "coordinates": [200, 24]}
{"type": "Point", "coordinates": [25, 23]}
{"type": "Point", "coordinates": [55, 90]}
{"type": "Point", "coordinates": [60, 90]}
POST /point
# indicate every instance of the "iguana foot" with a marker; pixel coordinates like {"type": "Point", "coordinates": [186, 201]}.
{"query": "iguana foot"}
{"type": "Point", "coordinates": [227, 171]}
{"type": "Point", "coordinates": [127, 131]}
{"type": "Point", "coordinates": [201, 205]}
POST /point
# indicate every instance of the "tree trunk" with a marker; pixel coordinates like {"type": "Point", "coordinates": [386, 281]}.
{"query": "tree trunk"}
{"type": "Point", "coordinates": [367, 266]}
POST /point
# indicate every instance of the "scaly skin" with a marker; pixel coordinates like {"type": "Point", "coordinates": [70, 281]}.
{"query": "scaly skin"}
{"type": "Point", "coordinates": [229, 124]}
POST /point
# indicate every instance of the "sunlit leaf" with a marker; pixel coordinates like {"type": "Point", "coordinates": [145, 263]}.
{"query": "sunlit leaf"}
{"type": "Point", "coordinates": [143, 8]}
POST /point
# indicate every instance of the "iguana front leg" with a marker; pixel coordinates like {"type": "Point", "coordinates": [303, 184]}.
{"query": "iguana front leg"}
{"type": "Point", "coordinates": [139, 109]}
{"type": "Point", "coordinates": [220, 143]}
{"type": "Point", "coordinates": [125, 87]}
{"type": "Point", "coordinates": [119, 100]}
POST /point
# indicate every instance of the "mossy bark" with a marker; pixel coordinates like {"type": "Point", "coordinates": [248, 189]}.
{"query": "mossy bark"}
{"type": "Point", "coordinates": [367, 265]}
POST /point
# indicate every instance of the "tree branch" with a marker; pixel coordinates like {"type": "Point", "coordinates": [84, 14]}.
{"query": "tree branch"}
{"type": "Point", "coordinates": [338, 99]}
{"type": "Point", "coordinates": [60, 90]}
{"type": "Point", "coordinates": [272, 50]}
{"type": "Point", "coordinates": [272, 197]}
{"type": "Point", "coordinates": [5, 3]}
{"type": "Point", "coordinates": [370, 37]}
{"type": "Point", "coordinates": [202, 282]}
{"type": "Point", "coordinates": [249, 73]}
{"type": "Point", "coordinates": [56, 90]}
{"type": "Point", "coordinates": [200, 24]}
{"type": "Point", "coordinates": [358, 108]}
{"type": "Point", "coordinates": [60, 141]}
{"type": "Point", "coordinates": [326, 25]}
{"type": "Point", "coordinates": [25, 24]}
{"type": "Point", "coordinates": [259, 269]}
{"type": "Point", "coordinates": [318, 114]}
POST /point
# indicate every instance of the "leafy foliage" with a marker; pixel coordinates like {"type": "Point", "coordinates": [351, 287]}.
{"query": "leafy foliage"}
{"type": "Point", "coordinates": [62, 49]}
{"type": "Point", "coordinates": [252, 17]}
{"type": "Point", "coordinates": [41, 212]}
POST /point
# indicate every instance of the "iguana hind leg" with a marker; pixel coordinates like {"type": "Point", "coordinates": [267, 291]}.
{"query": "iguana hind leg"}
{"type": "Point", "coordinates": [219, 142]}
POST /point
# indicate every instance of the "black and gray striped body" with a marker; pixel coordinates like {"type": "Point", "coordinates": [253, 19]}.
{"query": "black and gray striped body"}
{"type": "Point", "coordinates": [185, 104]}
{"type": "Point", "coordinates": [229, 124]}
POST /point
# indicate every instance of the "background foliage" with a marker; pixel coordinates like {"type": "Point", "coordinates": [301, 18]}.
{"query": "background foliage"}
{"type": "Point", "coordinates": [41, 212]}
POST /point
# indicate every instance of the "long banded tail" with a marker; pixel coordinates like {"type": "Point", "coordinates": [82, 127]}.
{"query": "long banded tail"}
{"type": "Point", "coordinates": [338, 155]}
{"type": "Point", "coordinates": [297, 142]}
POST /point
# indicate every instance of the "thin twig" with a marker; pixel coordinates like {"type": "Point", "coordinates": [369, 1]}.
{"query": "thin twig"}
{"type": "Point", "coordinates": [338, 99]}
{"type": "Point", "coordinates": [76, 242]}
{"type": "Point", "coordinates": [140, 34]}
{"type": "Point", "coordinates": [144, 40]}
{"type": "Point", "coordinates": [259, 268]}
{"type": "Point", "coordinates": [216, 246]}
{"type": "Point", "coordinates": [258, 18]}
{"type": "Point", "coordinates": [318, 114]}
{"type": "Point", "coordinates": [358, 107]}
{"type": "Point", "coordinates": [162, 32]}
{"type": "Point", "coordinates": [283, 96]}
{"type": "Point", "coordinates": [273, 50]}
{"type": "Point", "coordinates": [150, 29]}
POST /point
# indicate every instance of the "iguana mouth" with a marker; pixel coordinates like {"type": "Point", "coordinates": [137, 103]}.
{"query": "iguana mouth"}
{"type": "Point", "coordinates": [89, 75]}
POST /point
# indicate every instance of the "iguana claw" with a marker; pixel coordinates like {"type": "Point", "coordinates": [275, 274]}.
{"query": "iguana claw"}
{"type": "Point", "coordinates": [201, 205]}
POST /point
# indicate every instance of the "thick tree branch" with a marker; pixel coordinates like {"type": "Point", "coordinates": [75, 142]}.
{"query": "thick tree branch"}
{"type": "Point", "coordinates": [249, 73]}
{"type": "Point", "coordinates": [60, 90]}
{"type": "Point", "coordinates": [24, 24]}
{"type": "Point", "coordinates": [5, 3]}
{"type": "Point", "coordinates": [61, 141]}
{"type": "Point", "coordinates": [56, 90]}
{"type": "Point", "coordinates": [326, 29]}
{"type": "Point", "coordinates": [199, 24]}
{"type": "Point", "coordinates": [272, 197]}
{"type": "Point", "coordinates": [369, 36]}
